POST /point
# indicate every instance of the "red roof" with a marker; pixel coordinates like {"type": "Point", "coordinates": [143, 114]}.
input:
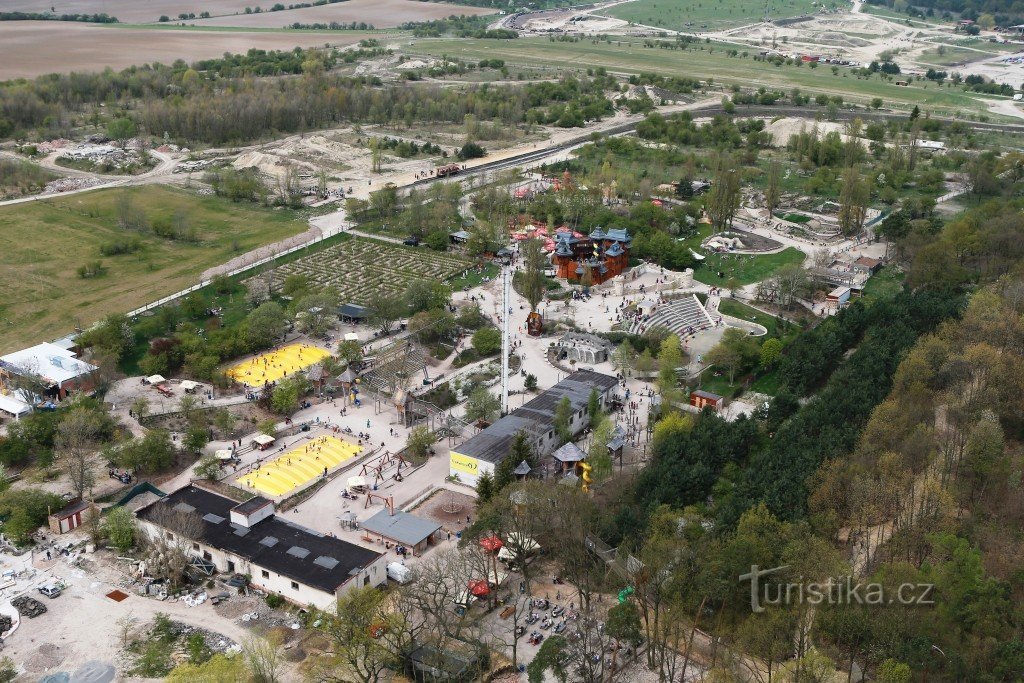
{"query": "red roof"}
{"type": "Point", "coordinates": [478, 587]}
{"type": "Point", "coordinates": [491, 543]}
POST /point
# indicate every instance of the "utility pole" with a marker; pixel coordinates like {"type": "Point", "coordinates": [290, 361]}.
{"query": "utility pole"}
{"type": "Point", "coordinates": [505, 283]}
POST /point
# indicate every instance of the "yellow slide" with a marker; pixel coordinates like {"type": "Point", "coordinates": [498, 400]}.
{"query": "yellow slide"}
{"type": "Point", "coordinates": [585, 476]}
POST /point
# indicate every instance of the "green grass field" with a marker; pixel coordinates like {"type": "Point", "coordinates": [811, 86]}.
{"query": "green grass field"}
{"type": "Point", "coordinates": [42, 296]}
{"type": "Point", "coordinates": [706, 61]}
{"type": "Point", "coordinates": [744, 268]}
{"type": "Point", "coordinates": [885, 284]}
{"type": "Point", "coordinates": [713, 14]}
{"type": "Point", "coordinates": [738, 309]}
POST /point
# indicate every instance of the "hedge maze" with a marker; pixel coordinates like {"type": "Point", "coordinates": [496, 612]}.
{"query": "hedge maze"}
{"type": "Point", "coordinates": [361, 267]}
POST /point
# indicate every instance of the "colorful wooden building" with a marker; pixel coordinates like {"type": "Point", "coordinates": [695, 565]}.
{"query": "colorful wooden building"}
{"type": "Point", "coordinates": [604, 253]}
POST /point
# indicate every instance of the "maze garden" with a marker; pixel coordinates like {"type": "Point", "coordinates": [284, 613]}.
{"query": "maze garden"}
{"type": "Point", "coordinates": [360, 267]}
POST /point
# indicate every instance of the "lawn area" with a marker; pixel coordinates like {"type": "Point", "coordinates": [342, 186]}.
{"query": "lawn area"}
{"type": "Point", "coordinates": [718, 385]}
{"type": "Point", "coordinates": [738, 309]}
{"type": "Point", "coordinates": [885, 284]}
{"type": "Point", "coordinates": [682, 14]}
{"type": "Point", "coordinates": [703, 61]}
{"type": "Point", "coordinates": [42, 295]}
{"type": "Point", "coordinates": [474, 277]}
{"type": "Point", "coordinates": [745, 268]}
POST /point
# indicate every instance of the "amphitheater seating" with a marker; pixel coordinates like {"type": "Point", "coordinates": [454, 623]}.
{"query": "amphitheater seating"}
{"type": "Point", "coordinates": [677, 317]}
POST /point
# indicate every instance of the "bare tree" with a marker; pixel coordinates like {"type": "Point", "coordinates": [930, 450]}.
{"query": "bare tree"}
{"type": "Point", "coordinates": [357, 651]}
{"type": "Point", "coordinates": [169, 555]}
{"type": "Point", "coordinates": [76, 445]}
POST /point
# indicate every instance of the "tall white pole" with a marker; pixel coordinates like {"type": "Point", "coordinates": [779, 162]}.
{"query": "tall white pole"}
{"type": "Point", "coordinates": [505, 300]}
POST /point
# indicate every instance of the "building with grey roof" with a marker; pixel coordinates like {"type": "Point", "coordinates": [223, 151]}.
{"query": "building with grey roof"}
{"type": "Point", "coordinates": [403, 528]}
{"type": "Point", "coordinates": [293, 561]}
{"type": "Point", "coordinates": [481, 453]}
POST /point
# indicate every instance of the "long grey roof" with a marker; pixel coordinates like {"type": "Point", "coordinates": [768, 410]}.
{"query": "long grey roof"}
{"type": "Point", "coordinates": [536, 417]}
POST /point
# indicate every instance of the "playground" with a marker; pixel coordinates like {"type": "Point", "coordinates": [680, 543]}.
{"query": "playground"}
{"type": "Point", "coordinates": [299, 466]}
{"type": "Point", "coordinates": [272, 366]}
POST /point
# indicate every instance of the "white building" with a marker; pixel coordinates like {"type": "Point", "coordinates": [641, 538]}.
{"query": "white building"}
{"type": "Point", "coordinates": [301, 565]}
{"type": "Point", "coordinates": [54, 365]}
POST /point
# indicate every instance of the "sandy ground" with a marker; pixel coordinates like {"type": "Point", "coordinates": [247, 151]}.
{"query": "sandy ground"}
{"type": "Point", "coordinates": [380, 13]}
{"type": "Point", "coordinates": [81, 624]}
{"type": "Point", "coordinates": [28, 46]}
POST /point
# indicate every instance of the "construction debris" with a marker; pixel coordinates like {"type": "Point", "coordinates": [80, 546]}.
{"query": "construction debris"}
{"type": "Point", "coordinates": [28, 607]}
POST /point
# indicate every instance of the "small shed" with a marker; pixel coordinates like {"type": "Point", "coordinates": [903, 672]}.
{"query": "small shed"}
{"type": "Point", "coordinates": [403, 528]}
{"type": "Point", "coordinates": [459, 237]}
{"type": "Point", "coordinates": [522, 470]}
{"type": "Point", "coordinates": [617, 442]}
{"type": "Point", "coordinates": [568, 455]}
{"type": "Point", "coordinates": [263, 441]}
{"type": "Point", "coordinates": [838, 297]}
{"type": "Point", "coordinates": [156, 379]}
{"type": "Point", "coordinates": [72, 516]}
{"type": "Point", "coordinates": [866, 264]}
{"type": "Point", "coordinates": [701, 399]}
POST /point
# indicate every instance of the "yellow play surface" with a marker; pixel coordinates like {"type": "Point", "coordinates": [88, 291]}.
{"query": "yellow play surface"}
{"type": "Point", "coordinates": [299, 465]}
{"type": "Point", "coordinates": [272, 366]}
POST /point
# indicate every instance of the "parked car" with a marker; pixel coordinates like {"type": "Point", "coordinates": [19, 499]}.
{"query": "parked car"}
{"type": "Point", "coordinates": [51, 590]}
{"type": "Point", "coordinates": [411, 242]}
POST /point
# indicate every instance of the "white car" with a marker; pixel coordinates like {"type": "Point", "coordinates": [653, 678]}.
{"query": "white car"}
{"type": "Point", "coordinates": [51, 590]}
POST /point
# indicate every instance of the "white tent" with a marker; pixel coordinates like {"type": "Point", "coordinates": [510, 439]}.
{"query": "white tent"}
{"type": "Point", "coordinates": [223, 454]}
{"type": "Point", "coordinates": [351, 336]}
{"type": "Point", "coordinates": [517, 544]}
{"type": "Point", "coordinates": [156, 379]}
{"type": "Point", "coordinates": [263, 440]}
{"type": "Point", "coordinates": [356, 483]}
{"type": "Point", "coordinates": [14, 406]}
{"type": "Point", "coordinates": [189, 385]}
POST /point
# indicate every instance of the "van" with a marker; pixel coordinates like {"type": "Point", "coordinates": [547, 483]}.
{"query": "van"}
{"type": "Point", "coordinates": [399, 573]}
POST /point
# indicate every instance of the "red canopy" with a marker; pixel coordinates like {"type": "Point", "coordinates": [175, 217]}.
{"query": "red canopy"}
{"type": "Point", "coordinates": [491, 544]}
{"type": "Point", "coordinates": [478, 587]}
{"type": "Point", "coordinates": [656, 202]}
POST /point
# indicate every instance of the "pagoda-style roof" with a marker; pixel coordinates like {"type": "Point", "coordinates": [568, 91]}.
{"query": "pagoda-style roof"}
{"type": "Point", "coordinates": [618, 235]}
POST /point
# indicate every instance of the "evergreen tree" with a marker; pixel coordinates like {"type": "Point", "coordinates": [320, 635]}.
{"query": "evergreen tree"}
{"type": "Point", "coordinates": [484, 487]}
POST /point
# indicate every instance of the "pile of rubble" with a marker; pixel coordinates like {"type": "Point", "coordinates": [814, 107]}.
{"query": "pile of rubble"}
{"type": "Point", "coordinates": [215, 641]}
{"type": "Point", "coordinates": [28, 607]}
{"type": "Point", "coordinates": [192, 166]}
{"type": "Point", "coordinates": [69, 184]}
{"type": "Point", "coordinates": [6, 623]}
{"type": "Point", "coordinates": [52, 145]}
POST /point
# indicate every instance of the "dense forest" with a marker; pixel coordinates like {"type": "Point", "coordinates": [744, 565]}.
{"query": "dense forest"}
{"type": "Point", "coordinates": [891, 453]}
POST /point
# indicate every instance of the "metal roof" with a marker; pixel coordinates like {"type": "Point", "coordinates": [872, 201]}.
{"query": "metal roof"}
{"type": "Point", "coordinates": [403, 527]}
{"type": "Point", "coordinates": [537, 417]}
